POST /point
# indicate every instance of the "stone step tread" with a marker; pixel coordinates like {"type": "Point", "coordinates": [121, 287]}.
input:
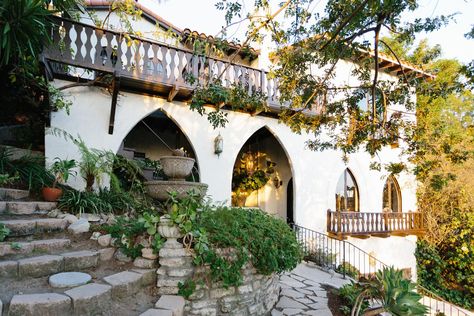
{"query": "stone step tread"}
{"type": "Point", "coordinates": [23, 227]}
{"type": "Point", "coordinates": [79, 300]}
{"type": "Point", "coordinates": [26, 207]}
{"type": "Point", "coordinates": [7, 194]}
{"type": "Point", "coordinates": [27, 247]}
{"type": "Point", "coordinates": [46, 265]}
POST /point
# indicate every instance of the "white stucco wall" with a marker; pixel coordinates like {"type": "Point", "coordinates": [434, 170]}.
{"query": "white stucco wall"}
{"type": "Point", "coordinates": [315, 174]}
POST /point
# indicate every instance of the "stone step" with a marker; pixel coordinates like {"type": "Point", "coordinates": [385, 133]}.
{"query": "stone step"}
{"type": "Point", "coordinates": [7, 194]}
{"type": "Point", "coordinates": [51, 264]}
{"type": "Point", "coordinates": [26, 207]}
{"type": "Point", "coordinates": [41, 245]}
{"type": "Point", "coordinates": [24, 227]}
{"type": "Point", "coordinates": [88, 299]}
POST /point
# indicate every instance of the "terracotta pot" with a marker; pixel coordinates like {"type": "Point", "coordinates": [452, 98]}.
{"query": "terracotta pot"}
{"type": "Point", "coordinates": [51, 194]}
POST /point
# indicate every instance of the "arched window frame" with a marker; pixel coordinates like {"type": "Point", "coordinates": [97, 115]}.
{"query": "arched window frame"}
{"type": "Point", "coordinates": [391, 184]}
{"type": "Point", "coordinates": [344, 208]}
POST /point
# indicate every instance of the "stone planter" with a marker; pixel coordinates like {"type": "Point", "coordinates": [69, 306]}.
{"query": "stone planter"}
{"type": "Point", "coordinates": [148, 173]}
{"type": "Point", "coordinates": [177, 168]}
{"type": "Point", "coordinates": [160, 189]}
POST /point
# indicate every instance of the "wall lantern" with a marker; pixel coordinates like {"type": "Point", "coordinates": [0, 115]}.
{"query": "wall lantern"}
{"type": "Point", "coordinates": [277, 182]}
{"type": "Point", "coordinates": [218, 145]}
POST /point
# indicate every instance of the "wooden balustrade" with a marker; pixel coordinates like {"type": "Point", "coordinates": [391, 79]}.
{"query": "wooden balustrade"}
{"type": "Point", "coordinates": [153, 63]}
{"type": "Point", "coordinates": [366, 224]}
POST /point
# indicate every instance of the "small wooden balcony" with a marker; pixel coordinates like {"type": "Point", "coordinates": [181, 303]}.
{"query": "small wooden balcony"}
{"type": "Point", "coordinates": [372, 224]}
{"type": "Point", "coordinates": [144, 65]}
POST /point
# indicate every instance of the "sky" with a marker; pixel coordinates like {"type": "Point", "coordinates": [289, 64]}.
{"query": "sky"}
{"type": "Point", "coordinates": [202, 16]}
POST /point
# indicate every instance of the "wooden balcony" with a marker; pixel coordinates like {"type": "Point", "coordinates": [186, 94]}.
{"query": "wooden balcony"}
{"type": "Point", "coordinates": [145, 65]}
{"type": "Point", "coordinates": [367, 224]}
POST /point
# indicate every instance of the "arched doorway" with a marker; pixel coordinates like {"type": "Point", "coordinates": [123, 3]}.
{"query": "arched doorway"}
{"type": "Point", "coordinates": [153, 137]}
{"type": "Point", "coordinates": [261, 174]}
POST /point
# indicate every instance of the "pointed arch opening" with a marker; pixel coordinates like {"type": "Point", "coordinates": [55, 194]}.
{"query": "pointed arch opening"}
{"type": "Point", "coordinates": [153, 137]}
{"type": "Point", "coordinates": [261, 175]}
{"type": "Point", "coordinates": [392, 196]}
{"type": "Point", "coordinates": [347, 193]}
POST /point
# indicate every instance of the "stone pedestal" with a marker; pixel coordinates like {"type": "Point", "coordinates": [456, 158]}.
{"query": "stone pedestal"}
{"type": "Point", "coordinates": [176, 262]}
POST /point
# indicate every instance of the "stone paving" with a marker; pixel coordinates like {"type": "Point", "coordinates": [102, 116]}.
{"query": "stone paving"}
{"type": "Point", "coordinates": [301, 291]}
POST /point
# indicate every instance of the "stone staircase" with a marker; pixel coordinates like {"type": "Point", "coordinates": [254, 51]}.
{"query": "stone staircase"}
{"type": "Point", "coordinates": [39, 247]}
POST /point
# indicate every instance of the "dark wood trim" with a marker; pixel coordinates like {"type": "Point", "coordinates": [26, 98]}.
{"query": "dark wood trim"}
{"type": "Point", "coordinates": [113, 106]}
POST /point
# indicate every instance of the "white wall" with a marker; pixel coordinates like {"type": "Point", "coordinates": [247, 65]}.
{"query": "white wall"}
{"type": "Point", "coordinates": [315, 174]}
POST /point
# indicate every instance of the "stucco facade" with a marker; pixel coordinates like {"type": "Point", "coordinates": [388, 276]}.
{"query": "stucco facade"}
{"type": "Point", "coordinates": [315, 174]}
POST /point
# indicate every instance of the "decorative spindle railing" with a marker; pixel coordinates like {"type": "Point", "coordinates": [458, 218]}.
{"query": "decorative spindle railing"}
{"type": "Point", "coordinates": [345, 224]}
{"type": "Point", "coordinates": [81, 45]}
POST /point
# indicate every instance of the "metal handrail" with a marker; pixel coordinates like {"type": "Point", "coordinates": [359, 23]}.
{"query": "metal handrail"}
{"type": "Point", "coordinates": [346, 258]}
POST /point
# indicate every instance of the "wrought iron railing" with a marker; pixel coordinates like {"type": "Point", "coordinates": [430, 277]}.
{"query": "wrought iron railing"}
{"type": "Point", "coordinates": [351, 261]}
{"type": "Point", "coordinates": [345, 224]}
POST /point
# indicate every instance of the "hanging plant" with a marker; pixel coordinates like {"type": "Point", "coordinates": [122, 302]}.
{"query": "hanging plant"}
{"type": "Point", "coordinates": [245, 179]}
{"type": "Point", "coordinates": [237, 97]}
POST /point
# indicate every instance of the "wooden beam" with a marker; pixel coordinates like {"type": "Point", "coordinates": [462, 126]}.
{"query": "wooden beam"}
{"type": "Point", "coordinates": [256, 112]}
{"type": "Point", "coordinates": [113, 106]}
{"type": "Point", "coordinates": [173, 92]}
{"type": "Point", "coordinates": [384, 65]}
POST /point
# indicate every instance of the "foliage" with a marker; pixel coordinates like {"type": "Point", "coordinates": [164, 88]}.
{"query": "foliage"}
{"type": "Point", "coordinates": [348, 269]}
{"type": "Point", "coordinates": [186, 288]}
{"type": "Point", "coordinates": [245, 181]}
{"type": "Point", "coordinates": [226, 239]}
{"type": "Point", "coordinates": [387, 289]}
{"type": "Point", "coordinates": [448, 270]}
{"type": "Point", "coordinates": [237, 97]}
{"type": "Point", "coordinates": [103, 201]}
{"type": "Point", "coordinates": [62, 169]}
{"type": "Point", "coordinates": [4, 232]}
{"type": "Point", "coordinates": [349, 294]}
{"type": "Point", "coordinates": [26, 172]}
{"type": "Point", "coordinates": [321, 256]}
{"type": "Point", "coordinates": [127, 232]}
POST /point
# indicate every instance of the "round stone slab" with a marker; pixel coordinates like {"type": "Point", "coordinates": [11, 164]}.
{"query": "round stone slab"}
{"type": "Point", "coordinates": [69, 279]}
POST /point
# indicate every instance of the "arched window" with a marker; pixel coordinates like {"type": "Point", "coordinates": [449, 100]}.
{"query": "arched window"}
{"type": "Point", "coordinates": [392, 197]}
{"type": "Point", "coordinates": [347, 193]}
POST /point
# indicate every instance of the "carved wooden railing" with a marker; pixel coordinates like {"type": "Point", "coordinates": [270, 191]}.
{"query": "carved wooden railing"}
{"type": "Point", "coordinates": [372, 223]}
{"type": "Point", "coordinates": [85, 46]}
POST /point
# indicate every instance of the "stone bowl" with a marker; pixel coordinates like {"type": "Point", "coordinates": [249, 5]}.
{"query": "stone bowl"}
{"type": "Point", "coordinates": [177, 168]}
{"type": "Point", "coordinates": [160, 189]}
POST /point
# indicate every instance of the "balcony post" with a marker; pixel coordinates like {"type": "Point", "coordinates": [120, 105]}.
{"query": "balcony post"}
{"type": "Point", "coordinates": [339, 224]}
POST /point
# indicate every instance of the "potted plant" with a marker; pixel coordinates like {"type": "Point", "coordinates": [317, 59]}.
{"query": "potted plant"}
{"type": "Point", "coordinates": [61, 169]}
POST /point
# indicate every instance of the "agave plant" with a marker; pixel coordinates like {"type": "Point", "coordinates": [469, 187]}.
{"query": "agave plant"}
{"type": "Point", "coordinates": [390, 292]}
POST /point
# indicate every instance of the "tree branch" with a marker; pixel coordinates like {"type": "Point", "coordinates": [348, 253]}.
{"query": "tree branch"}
{"type": "Point", "coordinates": [344, 23]}
{"type": "Point", "coordinates": [398, 60]}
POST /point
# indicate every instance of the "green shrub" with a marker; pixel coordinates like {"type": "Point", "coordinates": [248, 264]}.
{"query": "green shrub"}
{"type": "Point", "coordinates": [348, 294]}
{"type": "Point", "coordinates": [448, 272]}
{"type": "Point", "coordinates": [4, 232]}
{"type": "Point", "coordinates": [104, 201]}
{"type": "Point", "coordinates": [349, 269]}
{"type": "Point", "coordinates": [29, 171]}
{"type": "Point", "coordinates": [127, 231]}
{"type": "Point", "coordinates": [252, 235]}
{"type": "Point", "coordinates": [269, 241]}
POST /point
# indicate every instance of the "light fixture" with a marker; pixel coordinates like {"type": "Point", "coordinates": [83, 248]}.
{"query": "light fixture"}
{"type": "Point", "coordinates": [250, 162]}
{"type": "Point", "coordinates": [103, 55]}
{"type": "Point", "coordinates": [218, 145]}
{"type": "Point", "coordinates": [277, 182]}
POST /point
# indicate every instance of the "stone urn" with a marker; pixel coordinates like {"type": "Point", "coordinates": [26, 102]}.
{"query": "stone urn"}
{"type": "Point", "coordinates": [177, 168]}
{"type": "Point", "coordinates": [167, 229]}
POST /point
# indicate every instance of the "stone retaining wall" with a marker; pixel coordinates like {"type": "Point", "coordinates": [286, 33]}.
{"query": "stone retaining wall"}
{"type": "Point", "coordinates": [256, 296]}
